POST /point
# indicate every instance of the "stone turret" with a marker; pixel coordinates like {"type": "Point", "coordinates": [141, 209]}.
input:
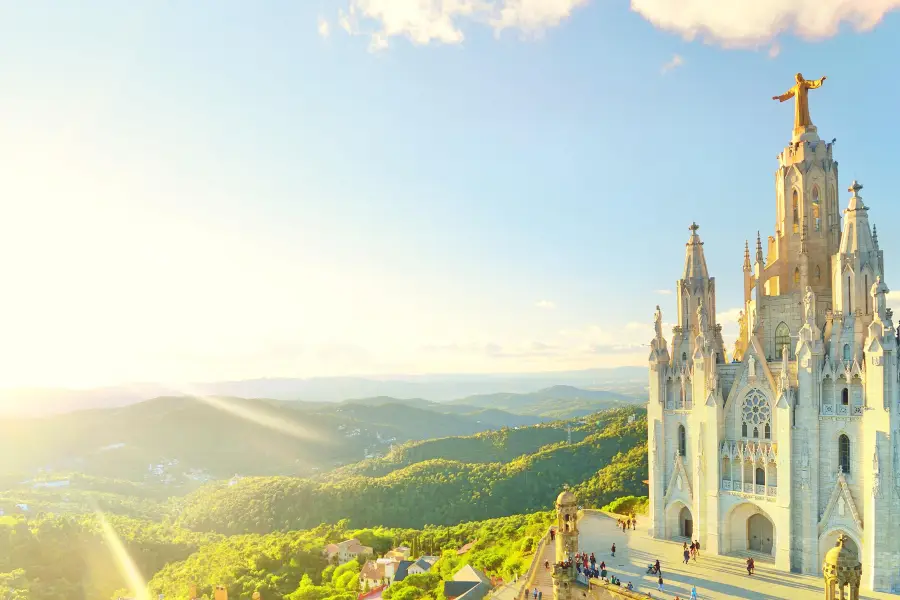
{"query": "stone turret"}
{"type": "Point", "coordinates": [566, 546]}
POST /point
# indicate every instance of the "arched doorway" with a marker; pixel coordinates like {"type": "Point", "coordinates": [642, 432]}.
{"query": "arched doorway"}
{"type": "Point", "coordinates": [686, 523]}
{"type": "Point", "coordinates": [760, 534]}
{"type": "Point", "coordinates": [829, 540]}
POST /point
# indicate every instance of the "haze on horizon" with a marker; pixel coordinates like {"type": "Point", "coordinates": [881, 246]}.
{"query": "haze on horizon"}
{"type": "Point", "coordinates": [365, 188]}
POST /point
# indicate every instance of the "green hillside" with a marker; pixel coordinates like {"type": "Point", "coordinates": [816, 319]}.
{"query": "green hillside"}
{"type": "Point", "coordinates": [218, 437]}
{"type": "Point", "coordinates": [556, 402]}
{"type": "Point", "coordinates": [492, 446]}
{"type": "Point", "coordinates": [435, 491]}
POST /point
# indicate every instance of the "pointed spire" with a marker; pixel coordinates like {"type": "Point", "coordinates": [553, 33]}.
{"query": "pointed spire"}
{"type": "Point", "coordinates": [746, 255]}
{"type": "Point", "coordinates": [759, 254]}
{"type": "Point", "coordinates": [875, 235]}
{"type": "Point", "coordinates": [694, 261]}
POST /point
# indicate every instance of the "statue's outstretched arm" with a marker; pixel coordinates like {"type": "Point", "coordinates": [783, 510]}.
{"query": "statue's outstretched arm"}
{"type": "Point", "coordinates": [785, 96]}
{"type": "Point", "coordinates": [815, 84]}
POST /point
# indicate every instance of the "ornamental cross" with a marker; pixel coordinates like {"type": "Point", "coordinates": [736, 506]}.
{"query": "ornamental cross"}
{"type": "Point", "coordinates": [694, 227]}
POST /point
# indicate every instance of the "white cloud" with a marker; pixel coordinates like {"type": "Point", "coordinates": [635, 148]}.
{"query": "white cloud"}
{"type": "Point", "coordinates": [674, 63]}
{"type": "Point", "coordinates": [729, 317]}
{"type": "Point", "coordinates": [324, 28]}
{"type": "Point", "coordinates": [663, 292]}
{"type": "Point", "coordinates": [731, 23]}
{"type": "Point", "coordinates": [774, 51]}
{"type": "Point", "coordinates": [545, 304]}
{"type": "Point", "coordinates": [751, 23]}
{"type": "Point", "coordinates": [426, 21]}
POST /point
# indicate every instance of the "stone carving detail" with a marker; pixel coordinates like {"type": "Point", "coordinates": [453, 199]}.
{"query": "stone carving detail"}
{"type": "Point", "coordinates": [876, 472]}
{"type": "Point", "coordinates": [751, 367]}
{"type": "Point", "coordinates": [804, 465]}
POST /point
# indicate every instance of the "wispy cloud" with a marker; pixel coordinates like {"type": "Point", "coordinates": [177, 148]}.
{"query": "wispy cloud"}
{"type": "Point", "coordinates": [426, 22]}
{"type": "Point", "coordinates": [324, 28]}
{"type": "Point", "coordinates": [675, 62]}
{"type": "Point", "coordinates": [774, 50]}
{"type": "Point", "coordinates": [545, 304]}
{"type": "Point", "coordinates": [663, 292]}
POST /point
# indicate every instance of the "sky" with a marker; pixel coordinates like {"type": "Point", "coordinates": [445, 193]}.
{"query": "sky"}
{"type": "Point", "coordinates": [199, 191]}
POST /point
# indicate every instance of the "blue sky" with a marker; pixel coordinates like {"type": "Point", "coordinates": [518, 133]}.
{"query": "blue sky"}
{"type": "Point", "coordinates": [220, 190]}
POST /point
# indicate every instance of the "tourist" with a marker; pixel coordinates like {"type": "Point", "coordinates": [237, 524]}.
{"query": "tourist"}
{"type": "Point", "coordinates": [749, 566]}
{"type": "Point", "coordinates": [629, 587]}
{"type": "Point", "coordinates": [540, 595]}
{"type": "Point", "coordinates": [660, 582]}
{"type": "Point", "coordinates": [696, 548]}
{"type": "Point", "coordinates": [613, 549]}
{"type": "Point", "coordinates": [593, 559]}
{"type": "Point", "coordinates": [633, 522]}
{"type": "Point", "coordinates": [547, 564]}
{"type": "Point", "coordinates": [693, 592]}
{"type": "Point", "coordinates": [687, 554]}
{"type": "Point", "coordinates": [552, 535]}
{"type": "Point", "coordinates": [657, 566]}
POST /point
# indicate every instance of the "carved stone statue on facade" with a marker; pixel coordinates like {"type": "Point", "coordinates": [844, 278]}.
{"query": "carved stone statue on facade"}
{"type": "Point", "coordinates": [800, 92]}
{"type": "Point", "coordinates": [809, 307]}
{"type": "Point", "coordinates": [702, 321]}
{"type": "Point", "coordinates": [657, 323]}
{"type": "Point", "coordinates": [879, 298]}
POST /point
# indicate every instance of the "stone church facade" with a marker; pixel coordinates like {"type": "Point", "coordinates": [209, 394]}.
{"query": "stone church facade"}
{"type": "Point", "coordinates": [793, 439]}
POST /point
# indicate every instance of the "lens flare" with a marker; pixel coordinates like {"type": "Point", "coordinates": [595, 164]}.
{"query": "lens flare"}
{"type": "Point", "coordinates": [129, 571]}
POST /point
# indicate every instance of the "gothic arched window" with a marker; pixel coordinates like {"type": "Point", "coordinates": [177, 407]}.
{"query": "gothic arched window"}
{"type": "Point", "coordinates": [844, 453]}
{"type": "Point", "coordinates": [684, 356]}
{"type": "Point", "coordinates": [815, 209]}
{"type": "Point", "coordinates": [782, 339]}
{"type": "Point", "coordinates": [760, 476]}
{"type": "Point", "coordinates": [682, 440]}
{"type": "Point", "coordinates": [818, 273]}
{"type": "Point", "coordinates": [744, 429]}
{"type": "Point", "coordinates": [846, 351]}
{"type": "Point", "coordinates": [756, 433]}
{"type": "Point", "coordinates": [797, 276]}
{"type": "Point", "coordinates": [795, 211]}
{"type": "Point", "coordinates": [866, 288]}
{"type": "Point", "coordinates": [768, 432]}
{"type": "Point", "coordinates": [845, 397]}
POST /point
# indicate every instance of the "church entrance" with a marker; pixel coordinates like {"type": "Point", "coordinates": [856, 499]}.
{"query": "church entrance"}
{"type": "Point", "coordinates": [686, 523]}
{"type": "Point", "coordinates": [760, 534]}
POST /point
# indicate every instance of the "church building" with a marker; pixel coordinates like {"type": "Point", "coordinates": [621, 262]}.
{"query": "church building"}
{"type": "Point", "coordinates": [792, 440]}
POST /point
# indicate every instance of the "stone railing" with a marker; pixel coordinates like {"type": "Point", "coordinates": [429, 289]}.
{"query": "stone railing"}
{"type": "Point", "coordinates": [531, 574]}
{"type": "Point", "coordinates": [735, 486]}
{"type": "Point", "coordinates": [599, 589]}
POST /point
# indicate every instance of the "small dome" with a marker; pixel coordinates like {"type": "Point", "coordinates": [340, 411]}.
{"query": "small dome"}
{"type": "Point", "coordinates": [566, 498]}
{"type": "Point", "coordinates": [841, 556]}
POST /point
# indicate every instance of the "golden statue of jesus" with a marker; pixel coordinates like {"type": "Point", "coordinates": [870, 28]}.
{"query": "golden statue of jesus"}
{"type": "Point", "coordinates": [801, 106]}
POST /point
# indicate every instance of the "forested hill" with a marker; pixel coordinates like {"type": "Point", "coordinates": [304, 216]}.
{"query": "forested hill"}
{"type": "Point", "coordinates": [224, 436]}
{"type": "Point", "coordinates": [502, 445]}
{"type": "Point", "coordinates": [436, 490]}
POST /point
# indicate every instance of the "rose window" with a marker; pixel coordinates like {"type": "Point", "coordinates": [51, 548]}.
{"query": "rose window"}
{"type": "Point", "coordinates": [755, 414]}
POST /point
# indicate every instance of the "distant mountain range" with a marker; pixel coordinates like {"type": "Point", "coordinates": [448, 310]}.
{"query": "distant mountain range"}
{"type": "Point", "coordinates": [625, 381]}
{"type": "Point", "coordinates": [218, 436]}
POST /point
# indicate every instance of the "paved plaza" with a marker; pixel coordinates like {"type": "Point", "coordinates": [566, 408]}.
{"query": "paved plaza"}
{"type": "Point", "coordinates": [716, 577]}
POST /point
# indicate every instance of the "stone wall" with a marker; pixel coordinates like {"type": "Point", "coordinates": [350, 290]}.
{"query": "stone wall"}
{"type": "Point", "coordinates": [607, 591]}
